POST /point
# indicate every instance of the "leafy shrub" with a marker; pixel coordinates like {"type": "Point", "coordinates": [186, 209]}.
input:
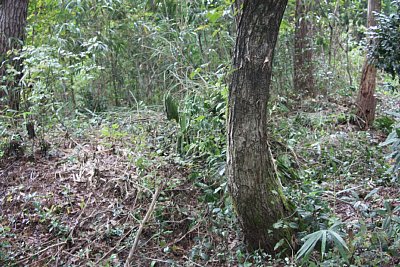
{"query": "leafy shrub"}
{"type": "Point", "coordinates": [385, 124]}
{"type": "Point", "coordinates": [324, 237]}
{"type": "Point", "coordinates": [394, 141]}
{"type": "Point", "coordinates": [201, 120]}
{"type": "Point", "coordinates": [385, 52]}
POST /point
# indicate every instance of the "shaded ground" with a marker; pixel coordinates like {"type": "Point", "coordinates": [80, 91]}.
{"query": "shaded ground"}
{"type": "Point", "coordinates": [80, 201]}
{"type": "Point", "coordinates": [344, 178]}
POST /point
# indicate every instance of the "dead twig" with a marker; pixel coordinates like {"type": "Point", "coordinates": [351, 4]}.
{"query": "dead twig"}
{"type": "Point", "coordinates": [113, 248]}
{"type": "Point", "coordinates": [145, 219]}
{"type": "Point", "coordinates": [183, 236]}
{"type": "Point", "coordinates": [40, 252]}
{"type": "Point", "coordinates": [79, 217]}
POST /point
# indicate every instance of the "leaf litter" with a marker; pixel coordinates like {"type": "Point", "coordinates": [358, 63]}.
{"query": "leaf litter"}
{"type": "Point", "coordinates": [83, 202]}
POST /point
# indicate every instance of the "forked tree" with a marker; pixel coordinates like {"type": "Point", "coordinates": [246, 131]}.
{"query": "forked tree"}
{"type": "Point", "coordinates": [254, 186]}
{"type": "Point", "coordinates": [13, 15]}
{"type": "Point", "coordinates": [366, 100]}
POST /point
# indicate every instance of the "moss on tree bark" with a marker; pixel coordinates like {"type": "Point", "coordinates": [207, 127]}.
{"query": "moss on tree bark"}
{"type": "Point", "coordinates": [255, 188]}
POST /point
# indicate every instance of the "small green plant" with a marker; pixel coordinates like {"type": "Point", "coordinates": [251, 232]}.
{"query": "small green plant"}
{"type": "Point", "coordinates": [325, 237]}
{"type": "Point", "coordinates": [201, 120]}
{"type": "Point", "coordinates": [385, 124]}
{"type": "Point", "coordinates": [375, 237]}
{"type": "Point", "coordinates": [113, 133]}
{"type": "Point", "coordinates": [11, 146]}
{"type": "Point", "coordinates": [393, 140]}
{"type": "Point", "coordinates": [171, 108]}
{"type": "Point", "coordinates": [4, 244]}
{"type": "Point", "coordinates": [385, 52]}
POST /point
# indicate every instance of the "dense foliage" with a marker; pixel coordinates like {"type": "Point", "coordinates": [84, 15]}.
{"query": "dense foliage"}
{"type": "Point", "coordinates": [126, 96]}
{"type": "Point", "coordinates": [385, 51]}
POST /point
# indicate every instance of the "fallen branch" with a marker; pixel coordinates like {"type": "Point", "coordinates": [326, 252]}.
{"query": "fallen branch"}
{"type": "Point", "coordinates": [40, 252]}
{"type": "Point", "coordinates": [145, 219]}
{"type": "Point", "coordinates": [183, 236]}
{"type": "Point", "coordinates": [113, 248]}
{"type": "Point", "coordinates": [77, 219]}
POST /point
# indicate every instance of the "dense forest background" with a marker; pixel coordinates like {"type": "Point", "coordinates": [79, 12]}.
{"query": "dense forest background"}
{"type": "Point", "coordinates": [107, 105]}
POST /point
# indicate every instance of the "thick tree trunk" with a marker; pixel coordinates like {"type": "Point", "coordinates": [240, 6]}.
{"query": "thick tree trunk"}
{"type": "Point", "coordinates": [13, 14]}
{"type": "Point", "coordinates": [366, 101]}
{"type": "Point", "coordinates": [255, 188]}
{"type": "Point", "coordinates": [303, 79]}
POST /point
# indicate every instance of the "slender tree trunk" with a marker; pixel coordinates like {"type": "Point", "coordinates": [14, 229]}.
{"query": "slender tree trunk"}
{"type": "Point", "coordinates": [13, 14]}
{"type": "Point", "coordinates": [336, 34]}
{"type": "Point", "coordinates": [303, 54]}
{"type": "Point", "coordinates": [348, 62]}
{"type": "Point", "coordinates": [72, 90]}
{"type": "Point", "coordinates": [366, 101]}
{"type": "Point", "coordinates": [114, 77]}
{"type": "Point", "coordinates": [255, 188]}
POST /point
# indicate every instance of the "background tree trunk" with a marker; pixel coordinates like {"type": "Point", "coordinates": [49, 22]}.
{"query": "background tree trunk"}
{"type": "Point", "coordinates": [303, 54]}
{"type": "Point", "coordinates": [13, 14]}
{"type": "Point", "coordinates": [366, 101]}
{"type": "Point", "coordinates": [255, 188]}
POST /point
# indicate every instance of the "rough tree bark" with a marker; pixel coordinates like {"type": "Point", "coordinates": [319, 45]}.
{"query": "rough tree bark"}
{"type": "Point", "coordinates": [13, 15]}
{"type": "Point", "coordinates": [255, 188]}
{"type": "Point", "coordinates": [303, 79]}
{"type": "Point", "coordinates": [366, 101]}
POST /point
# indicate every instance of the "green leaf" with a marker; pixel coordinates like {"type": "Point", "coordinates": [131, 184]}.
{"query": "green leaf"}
{"type": "Point", "coordinates": [370, 194]}
{"type": "Point", "coordinates": [309, 244]}
{"type": "Point", "coordinates": [396, 209]}
{"type": "Point", "coordinates": [184, 122]}
{"type": "Point", "coordinates": [278, 224]}
{"type": "Point", "coordinates": [386, 222]}
{"type": "Point", "coordinates": [279, 244]}
{"type": "Point", "coordinates": [171, 108]}
{"type": "Point", "coordinates": [214, 15]}
{"type": "Point", "coordinates": [340, 243]}
{"type": "Point", "coordinates": [323, 244]}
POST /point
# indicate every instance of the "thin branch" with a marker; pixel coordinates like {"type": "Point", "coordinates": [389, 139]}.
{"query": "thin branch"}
{"type": "Point", "coordinates": [113, 248]}
{"type": "Point", "coordinates": [40, 252]}
{"type": "Point", "coordinates": [77, 219]}
{"type": "Point", "coordinates": [146, 218]}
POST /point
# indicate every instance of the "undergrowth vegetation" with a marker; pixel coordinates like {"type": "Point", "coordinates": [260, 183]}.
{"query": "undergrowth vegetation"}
{"type": "Point", "coordinates": [347, 205]}
{"type": "Point", "coordinates": [342, 189]}
{"type": "Point", "coordinates": [129, 96]}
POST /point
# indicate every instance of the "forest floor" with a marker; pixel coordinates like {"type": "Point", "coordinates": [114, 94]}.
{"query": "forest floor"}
{"type": "Point", "coordinates": [80, 197]}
